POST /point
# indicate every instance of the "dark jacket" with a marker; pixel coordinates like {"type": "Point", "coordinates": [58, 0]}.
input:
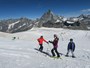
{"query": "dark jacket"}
{"type": "Point", "coordinates": [71, 46]}
{"type": "Point", "coordinates": [55, 42]}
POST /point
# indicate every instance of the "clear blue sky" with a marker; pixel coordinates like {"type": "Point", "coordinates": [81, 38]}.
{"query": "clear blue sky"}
{"type": "Point", "coordinates": [35, 8]}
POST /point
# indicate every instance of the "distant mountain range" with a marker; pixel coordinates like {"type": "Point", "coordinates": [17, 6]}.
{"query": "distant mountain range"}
{"type": "Point", "coordinates": [15, 25]}
{"type": "Point", "coordinates": [48, 19]}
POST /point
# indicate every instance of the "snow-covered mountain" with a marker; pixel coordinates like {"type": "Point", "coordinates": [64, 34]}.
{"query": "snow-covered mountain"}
{"type": "Point", "coordinates": [49, 19]}
{"type": "Point", "coordinates": [15, 25]}
{"type": "Point", "coordinates": [21, 53]}
{"type": "Point", "coordinates": [80, 22]}
{"type": "Point", "coordinates": [85, 20]}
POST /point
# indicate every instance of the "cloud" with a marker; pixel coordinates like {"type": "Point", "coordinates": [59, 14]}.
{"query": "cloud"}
{"type": "Point", "coordinates": [86, 10]}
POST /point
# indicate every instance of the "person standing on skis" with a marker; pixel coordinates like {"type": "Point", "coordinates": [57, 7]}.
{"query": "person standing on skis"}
{"type": "Point", "coordinates": [41, 40]}
{"type": "Point", "coordinates": [55, 46]}
{"type": "Point", "coordinates": [71, 47]}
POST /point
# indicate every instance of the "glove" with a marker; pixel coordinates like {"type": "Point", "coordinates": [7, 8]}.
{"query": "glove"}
{"type": "Point", "coordinates": [50, 41]}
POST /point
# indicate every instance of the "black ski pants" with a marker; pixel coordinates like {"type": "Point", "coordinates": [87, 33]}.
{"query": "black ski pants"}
{"type": "Point", "coordinates": [41, 47]}
{"type": "Point", "coordinates": [53, 53]}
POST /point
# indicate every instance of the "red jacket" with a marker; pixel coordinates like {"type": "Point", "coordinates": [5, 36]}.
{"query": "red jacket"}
{"type": "Point", "coordinates": [40, 40]}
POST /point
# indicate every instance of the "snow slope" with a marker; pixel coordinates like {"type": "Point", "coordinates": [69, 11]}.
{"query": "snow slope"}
{"type": "Point", "coordinates": [12, 25]}
{"type": "Point", "coordinates": [20, 53]}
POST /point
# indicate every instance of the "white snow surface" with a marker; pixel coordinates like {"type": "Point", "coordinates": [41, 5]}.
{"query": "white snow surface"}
{"type": "Point", "coordinates": [57, 21]}
{"type": "Point", "coordinates": [75, 19]}
{"type": "Point", "coordinates": [70, 22]}
{"type": "Point", "coordinates": [20, 53]}
{"type": "Point", "coordinates": [64, 19]}
{"type": "Point", "coordinates": [88, 27]}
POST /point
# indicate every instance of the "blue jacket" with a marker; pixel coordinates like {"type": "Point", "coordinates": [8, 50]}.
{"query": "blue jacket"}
{"type": "Point", "coordinates": [71, 46]}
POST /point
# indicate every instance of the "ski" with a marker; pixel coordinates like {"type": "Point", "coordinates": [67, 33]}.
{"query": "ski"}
{"type": "Point", "coordinates": [55, 57]}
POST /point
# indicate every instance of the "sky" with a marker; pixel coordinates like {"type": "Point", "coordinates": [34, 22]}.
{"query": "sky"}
{"type": "Point", "coordinates": [36, 8]}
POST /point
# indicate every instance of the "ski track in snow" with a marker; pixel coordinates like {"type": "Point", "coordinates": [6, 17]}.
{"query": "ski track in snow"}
{"type": "Point", "coordinates": [20, 53]}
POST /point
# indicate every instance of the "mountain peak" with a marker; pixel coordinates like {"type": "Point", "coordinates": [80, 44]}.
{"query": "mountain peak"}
{"type": "Point", "coordinates": [49, 12]}
{"type": "Point", "coordinates": [49, 15]}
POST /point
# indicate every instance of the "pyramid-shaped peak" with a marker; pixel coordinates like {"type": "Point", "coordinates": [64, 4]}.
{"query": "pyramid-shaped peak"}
{"type": "Point", "coordinates": [48, 15]}
{"type": "Point", "coordinates": [49, 12]}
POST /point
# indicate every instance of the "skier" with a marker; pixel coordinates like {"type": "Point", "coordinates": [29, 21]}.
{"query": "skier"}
{"type": "Point", "coordinates": [71, 47]}
{"type": "Point", "coordinates": [14, 38]}
{"type": "Point", "coordinates": [55, 46]}
{"type": "Point", "coordinates": [40, 40]}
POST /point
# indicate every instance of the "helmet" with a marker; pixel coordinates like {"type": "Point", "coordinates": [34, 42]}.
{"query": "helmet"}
{"type": "Point", "coordinates": [71, 39]}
